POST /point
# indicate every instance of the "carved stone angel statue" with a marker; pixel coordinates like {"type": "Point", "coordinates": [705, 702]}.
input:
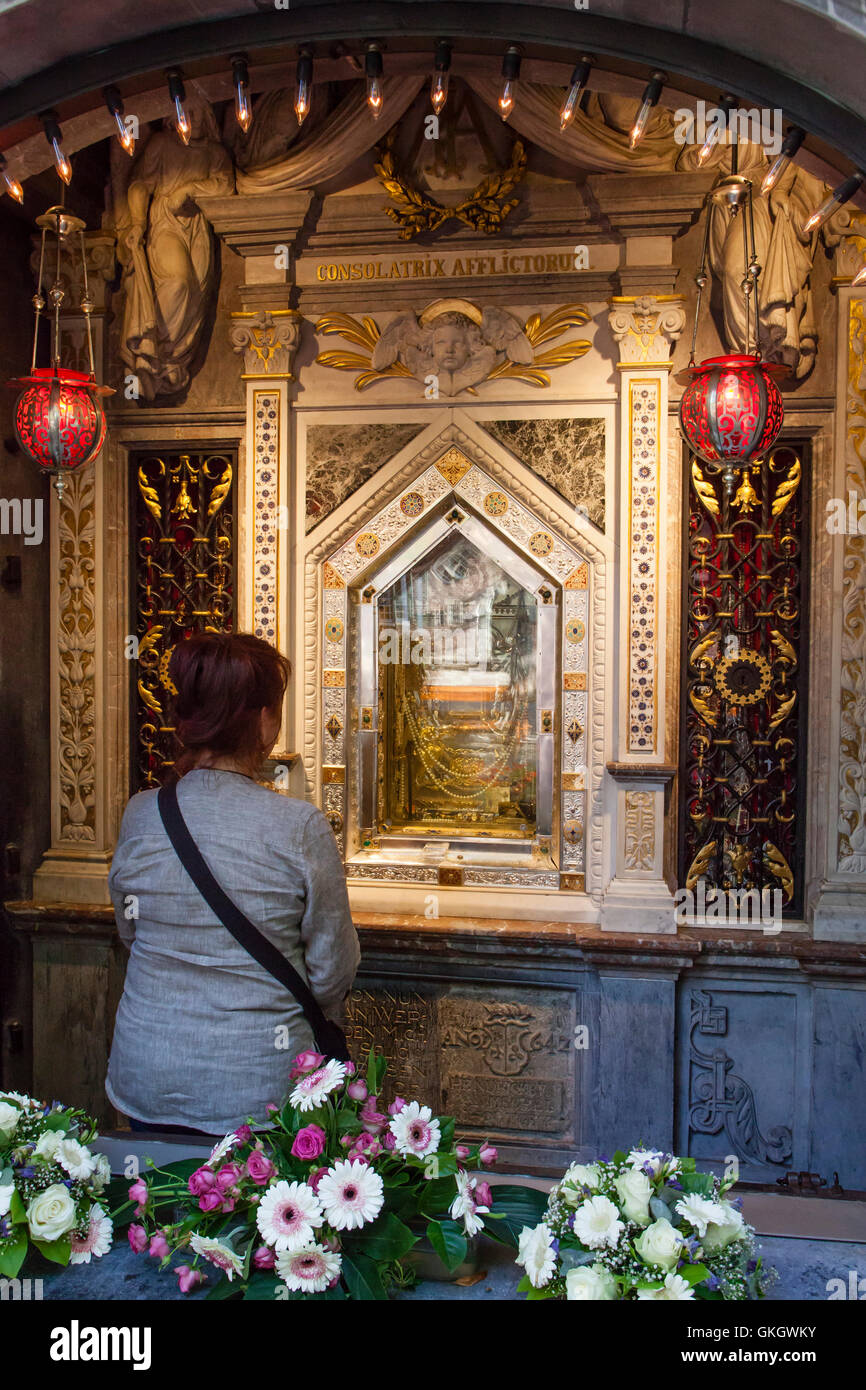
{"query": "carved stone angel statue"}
{"type": "Point", "coordinates": [455, 347]}
{"type": "Point", "coordinates": [166, 246]}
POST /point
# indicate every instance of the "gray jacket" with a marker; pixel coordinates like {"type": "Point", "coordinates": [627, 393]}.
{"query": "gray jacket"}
{"type": "Point", "coordinates": [203, 1035]}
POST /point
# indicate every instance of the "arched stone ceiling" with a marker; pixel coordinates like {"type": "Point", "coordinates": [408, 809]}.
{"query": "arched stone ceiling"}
{"type": "Point", "coordinates": [773, 53]}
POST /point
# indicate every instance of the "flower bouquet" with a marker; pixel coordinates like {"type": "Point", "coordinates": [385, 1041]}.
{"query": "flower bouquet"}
{"type": "Point", "coordinates": [328, 1203]}
{"type": "Point", "coordinates": [646, 1225]}
{"type": "Point", "coordinates": [51, 1185]}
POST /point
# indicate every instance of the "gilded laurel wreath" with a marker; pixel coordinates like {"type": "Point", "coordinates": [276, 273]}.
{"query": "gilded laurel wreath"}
{"type": "Point", "coordinates": [485, 209]}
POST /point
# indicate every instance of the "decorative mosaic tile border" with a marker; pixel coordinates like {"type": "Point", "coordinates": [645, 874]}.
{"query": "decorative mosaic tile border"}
{"type": "Point", "coordinates": [644, 396]}
{"type": "Point", "coordinates": [266, 416]}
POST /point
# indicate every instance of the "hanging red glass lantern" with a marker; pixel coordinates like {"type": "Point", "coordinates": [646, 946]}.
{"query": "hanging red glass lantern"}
{"type": "Point", "coordinates": [59, 420]}
{"type": "Point", "coordinates": [731, 411]}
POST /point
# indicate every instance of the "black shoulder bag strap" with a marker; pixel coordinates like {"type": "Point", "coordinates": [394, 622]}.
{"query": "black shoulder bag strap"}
{"type": "Point", "coordinates": [329, 1036]}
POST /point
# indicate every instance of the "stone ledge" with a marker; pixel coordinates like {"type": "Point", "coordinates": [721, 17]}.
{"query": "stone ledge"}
{"type": "Point", "coordinates": [396, 932]}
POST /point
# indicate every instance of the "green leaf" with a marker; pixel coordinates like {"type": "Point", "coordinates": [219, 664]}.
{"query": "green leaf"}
{"type": "Point", "coordinates": [12, 1254]}
{"type": "Point", "coordinates": [59, 1120]}
{"type": "Point", "coordinates": [449, 1242]}
{"type": "Point", "coordinates": [702, 1183]}
{"type": "Point", "coordinates": [58, 1251]}
{"type": "Point", "coordinates": [263, 1287]}
{"type": "Point", "coordinates": [363, 1280]}
{"type": "Point", "coordinates": [521, 1206]}
{"type": "Point", "coordinates": [693, 1274]}
{"type": "Point", "coordinates": [436, 1196]}
{"type": "Point", "coordinates": [348, 1123]}
{"type": "Point", "coordinates": [532, 1293]}
{"type": "Point", "coordinates": [385, 1239]}
{"type": "Point", "coordinates": [446, 1132]}
{"type": "Point", "coordinates": [620, 1156]}
{"type": "Point", "coordinates": [182, 1168]}
{"type": "Point", "coordinates": [17, 1212]}
{"type": "Point", "coordinates": [224, 1290]}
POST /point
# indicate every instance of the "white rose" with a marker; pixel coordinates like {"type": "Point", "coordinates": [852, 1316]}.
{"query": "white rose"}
{"type": "Point", "coordinates": [659, 1244]}
{"type": "Point", "coordinates": [51, 1213]}
{"type": "Point", "coordinates": [590, 1282]}
{"type": "Point", "coordinates": [9, 1117]}
{"type": "Point", "coordinates": [579, 1175]}
{"type": "Point", "coordinates": [722, 1232]}
{"type": "Point", "coordinates": [634, 1190]}
{"type": "Point", "coordinates": [6, 1190]}
{"type": "Point", "coordinates": [101, 1173]}
{"type": "Point", "coordinates": [75, 1158]}
{"type": "Point", "coordinates": [48, 1144]}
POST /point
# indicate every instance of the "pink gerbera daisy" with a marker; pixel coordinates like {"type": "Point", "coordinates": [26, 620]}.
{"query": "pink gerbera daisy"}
{"type": "Point", "coordinates": [97, 1239]}
{"type": "Point", "coordinates": [288, 1215]}
{"type": "Point", "coordinates": [351, 1194]}
{"type": "Point", "coordinates": [415, 1131]}
{"type": "Point", "coordinates": [310, 1270]}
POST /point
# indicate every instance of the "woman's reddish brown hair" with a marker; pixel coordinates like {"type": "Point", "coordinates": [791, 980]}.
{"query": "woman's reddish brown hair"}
{"type": "Point", "coordinates": [224, 680]}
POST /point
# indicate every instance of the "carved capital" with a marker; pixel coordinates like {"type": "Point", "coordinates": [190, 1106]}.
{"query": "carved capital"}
{"type": "Point", "coordinates": [645, 328]}
{"type": "Point", "coordinates": [268, 342]}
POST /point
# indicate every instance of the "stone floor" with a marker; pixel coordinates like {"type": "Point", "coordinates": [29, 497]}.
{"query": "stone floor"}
{"type": "Point", "coordinates": [805, 1267]}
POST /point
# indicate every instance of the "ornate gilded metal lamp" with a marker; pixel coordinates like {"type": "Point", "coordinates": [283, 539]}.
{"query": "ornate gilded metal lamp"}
{"type": "Point", "coordinates": [59, 420]}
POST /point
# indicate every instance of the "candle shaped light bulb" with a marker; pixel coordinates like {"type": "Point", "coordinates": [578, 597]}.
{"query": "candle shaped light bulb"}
{"type": "Point", "coordinates": [441, 70]}
{"type": "Point", "coordinates": [177, 92]}
{"type": "Point", "coordinates": [114, 102]}
{"type": "Point", "coordinates": [13, 187]}
{"type": "Point", "coordinates": [860, 277]}
{"type": "Point", "coordinates": [55, 139]}
{"type": "Point", "coordinates": [790, 145]}
{"type": "Point", "coordinates": [374, 69]}
{"type": "Point", "coordinates": [652, 92]}
{"type": "Point", "coordinates": [843, 191]}
{"type": "Point", "coordinates": [241, 79]}
{"type": "Point", "coordinates": [575, 90]}
{"type": "Point", "coordinates": [303, 85]}
{"type": "Point", "coordinates": [510, 75]}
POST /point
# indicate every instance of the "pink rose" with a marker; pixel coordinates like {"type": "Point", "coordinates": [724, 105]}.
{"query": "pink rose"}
{"type": "Point", "coordinates": [389, 1141]}
{"type": "Point", "coordinates": [463, 1151]}
{"type": "Point", "coordinates": [187, 1278]}
{"type": "Point", "coordinates": [370, 1118]}
{"type": "Point", "coordinates": [244, 1134]}
{"type": "Point", "coordinates": [482, 1194]}
{"type": "Point", "coordinates": [488, 1154]}
{"type": "Point", "coordinates": [263, 1258]}
{"type": "Point", "coordinates": [211, 1201]}
{"type": "Point", "coordinates": [228, 1204]}
{"type": "Point", "coordinates": [396, 1105]}
{"type": "Point", "coordinates": [201, 1181]}
{"type": "Point", "coordinates": [357, 1090]}
{"type": "Point", "coordinates": [309, 1142]}
{"type": "Point", "coordinates": [137, 1237]}
{"type": "Point", "coordinates": [366, 1146]}
{"type": "Point", "coordinates": [259, 1168]}
{"type": "Point", "coordinates": [350, 1068]}
{"type": "Point", "coordinates": [315, 1178]}
{"type": "Point", "coordinates": [272, 1109]}
{"type": "Point", "coordinates": [138, 1193]}
{"type": "Point", "coordinates": [306, 1061]}
{"type": "Point", "coordinates": [228, 1176]}
{"type": "Point", "coordinates": [158, 1246]}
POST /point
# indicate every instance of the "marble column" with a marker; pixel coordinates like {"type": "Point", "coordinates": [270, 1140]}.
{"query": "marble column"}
{"type": "Point", "coordinates": [645, 327]}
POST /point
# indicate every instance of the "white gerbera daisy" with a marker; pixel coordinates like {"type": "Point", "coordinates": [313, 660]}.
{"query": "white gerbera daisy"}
{"type": "Point", "coordinates": [221, 1149]}
{"type": "Point", "coordinates": [597, 1223]}
{"type": "Point", "coordinates": [96, 1242]}
{"type": "Point", "coordinates": [310, 1270]}
{"type": "Point", "coordinates": [74, 1158]}
{"type": "Point", "coordinates": [352, 1194]}
{"type": "Point", "coordinates": [101, 1173]}
{"type": "Point", "coordinates": [673, 1290]}
{"type": "Point", "coordinates": [218, 1254]}
{"type": "Point", "coordinates": [700, 1212]}
{"type": "Point", "coordinates": [289, 1215]}
{"type": "Point", "coordinates": [465, 1205]}
{"type": "Point", "coordinates": [311, 1090]}
{"type": "Point", "coordinates": [647, 1158]}
{"type": "Point", "coordinates": [535, 1253]}
{"type": "Point", "coordinates": [415, 1131]}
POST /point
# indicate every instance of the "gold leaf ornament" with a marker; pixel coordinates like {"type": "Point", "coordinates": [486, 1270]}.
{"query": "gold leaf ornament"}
{"type": "Point", "coordinates": [705, 490]}
{"type": "Point", "coordinates": [416, 211]}
{"type": "Point", "coordinates": [777, 864]}
{"type": "Point", "coordinates": [787, 488]}
{"type": "Point", "coordinates": [700, 864]}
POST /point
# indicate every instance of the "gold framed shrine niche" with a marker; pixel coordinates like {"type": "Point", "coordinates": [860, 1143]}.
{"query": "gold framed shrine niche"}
{"type": "Point", "coordinates": [459, 690]}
